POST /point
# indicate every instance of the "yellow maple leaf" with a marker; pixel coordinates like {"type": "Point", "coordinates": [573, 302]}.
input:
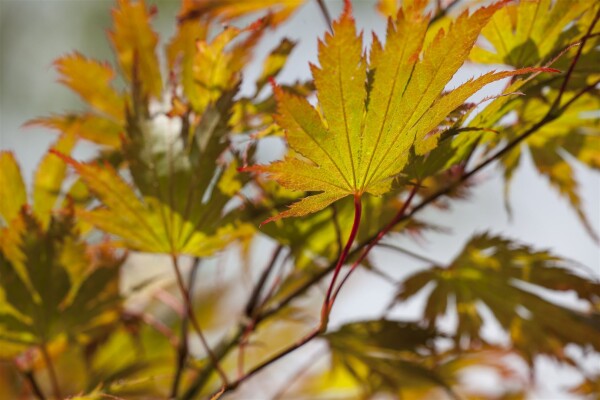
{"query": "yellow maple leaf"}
{"type": "Point", "coordinates": [358, 140]}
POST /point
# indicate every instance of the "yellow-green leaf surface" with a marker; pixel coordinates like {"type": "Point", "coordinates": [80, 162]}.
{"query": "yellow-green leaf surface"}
{"type": "Point", "coordinates": [528, 32]}
{"type": "Point", "coordinates": [181, 52]}
{"type": "Point", "coordinates": [12, 188]}
{"type": "Point", "coordinates": [505, 276]}
{"type": "Point", "coordinates": [144, 224]}
{"type": "Point", "coordinates": [358, 139]}
{"type": "Point", "coordinates": [275, 62]}
{"type": "Point", "coordinates": [92, 79]}
{"type": "Point", "coordinates": [88, 126]}
{"type": "Point", "coordinates": [49, 178]}
{"type": "Point", "coordinates": [135, 43]}
{"type": "Point", "coordinates": [213, 70]}
{"type": "Point", "coordinates": [55, 283]}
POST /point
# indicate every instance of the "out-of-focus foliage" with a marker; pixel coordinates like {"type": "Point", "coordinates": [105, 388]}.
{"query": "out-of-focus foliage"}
{"type": "Point", "coordinates": [540, 31]}
{"type": "Point", "coordinates": [175, 141]}
{"type": "Point", "coordinates": [497, 275]}
{"type": "Point", "coordinates": [56, 290]}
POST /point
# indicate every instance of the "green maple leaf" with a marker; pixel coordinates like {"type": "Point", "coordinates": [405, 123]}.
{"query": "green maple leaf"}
{"type": "Point", "coordinates": [50, 282]}
{"type": "Point", "coordinates": [504, 276]}
{"type": "Point", "coordinates": [358, 140]}
{"type": "Point", "coordinates": [385, 355]}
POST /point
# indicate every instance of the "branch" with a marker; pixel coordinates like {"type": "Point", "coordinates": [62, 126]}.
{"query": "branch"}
{"type": "Point", "coordinates": [408, 253]}
{"type": "Point", "coordinates": [233, 385]}
{"type": "Point", "coordinates": [298, 374]}
{"type": "Point", "coordinates": [328, 302]}
{"type": "Point", "coordinates": [51, 371]}
{"type": "Point", "coordinates": [35, 388]}
{"type": "Point", "coordinates": [563, 87]}
{"type": "Point", "coordinates": [376, 240]}
{"type": "Point", "coordinates": [257, 290]}
{"type": "Point", "coordinates": [325, 13]}
{"type": "Point", "coordinates": [190, 312]}
{"type": "Point", "coordinates": [579, 94]}
{"type": "Point", "coordinates": [183, 349]}
{"type": "Point", "coordinates": [442, 12]}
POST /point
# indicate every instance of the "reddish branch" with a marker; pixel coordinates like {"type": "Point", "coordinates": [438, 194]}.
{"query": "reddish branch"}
{"type": "Point", "coordinates": [328, 302]}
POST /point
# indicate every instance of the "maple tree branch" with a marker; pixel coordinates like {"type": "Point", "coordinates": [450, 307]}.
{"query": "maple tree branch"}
{"type": "Point", "coordinates": [328, 302]}
{"type": "Point", "coordinates": [325, 13]}
{"type": "Point", "coordinates": [408, 253]}
{"type": "Point", "coordinates": [579, 94]}
{"type": "Point", "coordinates": [336, 226]}
{"type": "Point", "coordinates": [257, 290]}
{"type": "Point", "coordinates": [190, 313]}
{"type": "Point", "coordinates": [51, 371]}
{"type": "Point", "coordinates": [183, 347]}
{"type": "Point", "coordinates": [304, 368]}
{"type": "Point", "coordinates": [304, 340]}
{"type": "Point", "coordinates": [376, 240]}
{"type": "Point", "coordinates": [442, 11]}
{"type": "Point", "coordinates": [35, 388]}
{"type": "Point", "coordinates": [220, 351]}
{"type": "Point", "coordinates": [563, 87]}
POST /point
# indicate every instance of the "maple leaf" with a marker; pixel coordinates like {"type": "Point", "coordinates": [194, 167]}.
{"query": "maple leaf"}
{"type": "Point", "coordinates": [530, 32]}
{"type": "Point", "coordinates": [47, 183]}
{"type": "Point", "coordinates": [504, 276]}
{"type": "Point", "coordinates": [91, 79]}
{"type": "Point", "coordinates": [53, 283]}
{"type": "Point", "coordinates": [359, 139]}
{"type": "Point", "coordinates": [383, 355]}
{"type": "Point", "coordinates": [386, 356]}
{"type": "Point", "coordinates": [135, 44]}
{"type": "Point", "coordinates": [575, 132]}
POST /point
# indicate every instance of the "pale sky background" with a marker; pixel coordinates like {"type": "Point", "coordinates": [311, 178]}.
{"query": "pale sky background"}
{"type": "Point", "coordinates": [34, 33]}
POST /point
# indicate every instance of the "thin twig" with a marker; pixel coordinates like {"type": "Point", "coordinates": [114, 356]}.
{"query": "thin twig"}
{"type": "Point", "coordinates": [563, 87]}
{"type": "Point", "coordinates": [408, 253]}
{"type": "Point", "coordinates": [190, 312]}
{"type": "Point", "coordinates": [35, 388]}
{"type": "Point", "coordinates": [326, 14]}
{"type": "Point", "coordinates": [298, 374]}
{"type": "Point", "coordinates": [442, 12]}
{"type": "Point", "coordinates": [51, 371]}
{"type": "Point", "coordinates": [376, 240]}
{"type": "Point", "coordinates": [328, 302]}
{"type": "Point", "coordinates": [183, 348]}
{"type": "Point", "coordinates": [336, 226]}
{"type": "Point", "coordinates": [257, 290]}
{"type": "Point", "coordinates": [233, 385]}
{"type": "Point", "coordinates": [579, 94]}
{"type": "Point", "coordinates": [220, 351]}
